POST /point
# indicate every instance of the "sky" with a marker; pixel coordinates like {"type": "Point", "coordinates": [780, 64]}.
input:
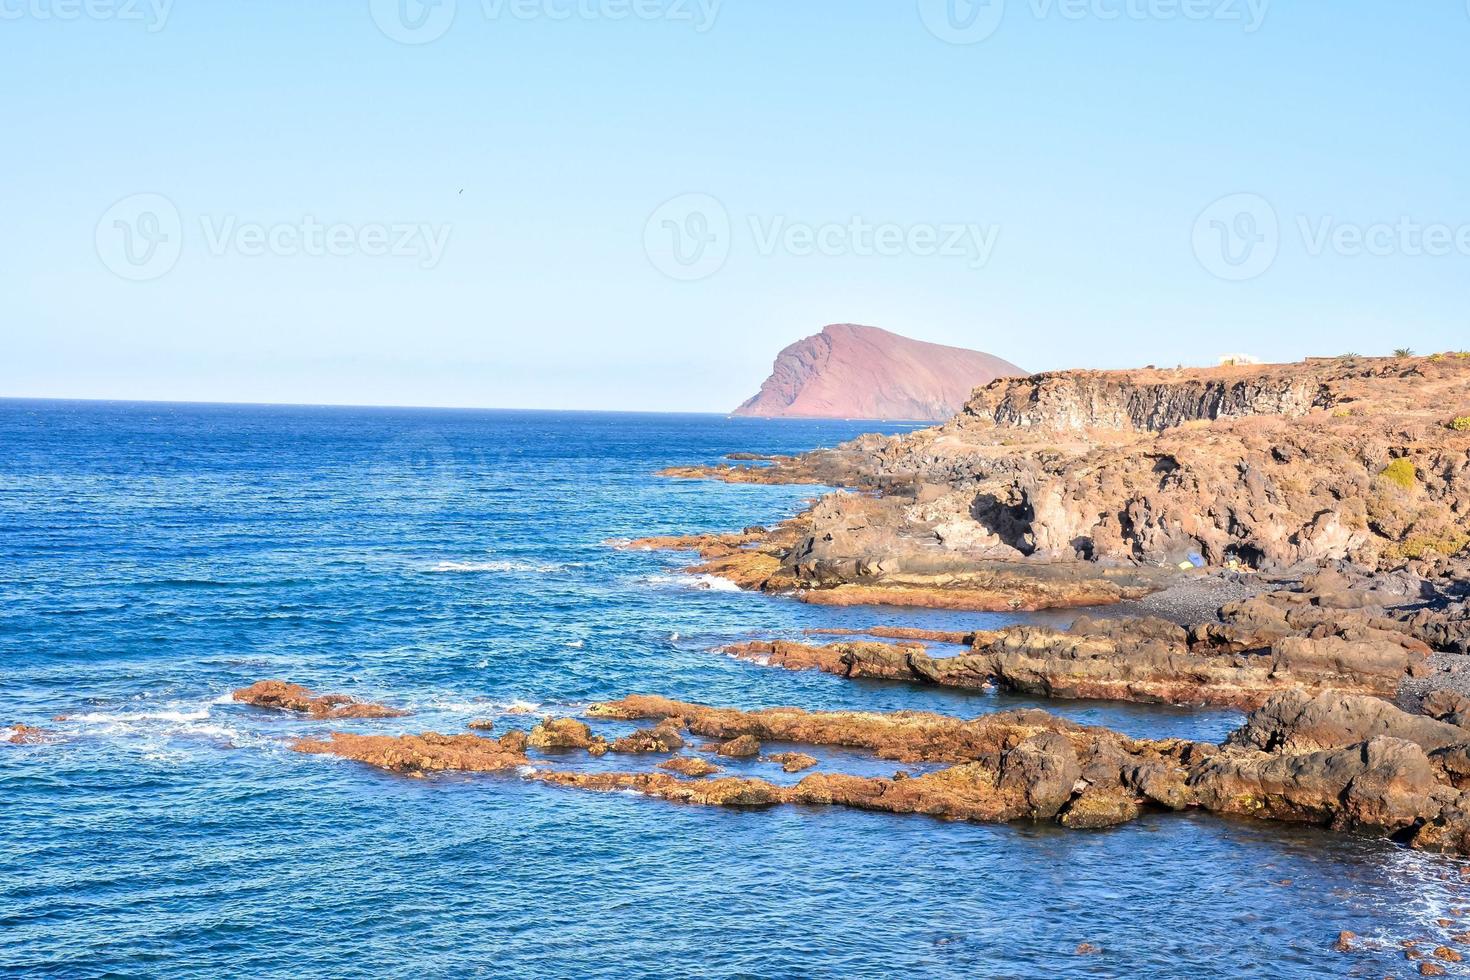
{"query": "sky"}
{"type": "Point", "coordinates": [634, 204]}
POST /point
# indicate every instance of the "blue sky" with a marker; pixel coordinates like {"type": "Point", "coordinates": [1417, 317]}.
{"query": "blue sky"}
{"type": "Point", "coordinates": [1049, 191]}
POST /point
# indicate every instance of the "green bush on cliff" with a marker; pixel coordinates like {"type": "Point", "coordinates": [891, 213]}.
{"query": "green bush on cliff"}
{"type": "Point", "coordinates": [1403, 352]}
{"type": "Point", "coordinates": [1423, 546]}
{"type": "Point", "coordinates": [1402, 473]}
{"type": "Point", "coordinates": [1461, 424]}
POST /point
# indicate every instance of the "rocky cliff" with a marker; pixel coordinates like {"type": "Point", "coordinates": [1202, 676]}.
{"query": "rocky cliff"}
{"type": "Point", "coordinates": [850, 371]}
{"type": "Point", "coordinates": [1271, 467]}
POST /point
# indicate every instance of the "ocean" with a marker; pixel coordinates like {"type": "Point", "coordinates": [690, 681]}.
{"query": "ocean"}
{"type": "Point", "coordinates": [462, 564]}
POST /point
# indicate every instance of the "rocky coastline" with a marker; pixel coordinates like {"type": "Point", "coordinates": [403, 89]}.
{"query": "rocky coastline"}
{"type": "Point", "coordinates": [1289, 540]}
{"type": "Point", "coordinates": [1343, 761]}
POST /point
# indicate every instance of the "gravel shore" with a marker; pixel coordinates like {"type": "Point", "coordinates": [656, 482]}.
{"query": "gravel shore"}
{"type": "Point", "coordinates": [1193, 598]}
{"type": "Point", "coordinates": [1447, 672]}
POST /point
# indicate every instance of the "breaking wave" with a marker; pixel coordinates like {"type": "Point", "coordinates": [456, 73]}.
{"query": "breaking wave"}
{"type": "Point", "coordinates": [705, 583]}
{"type": "Point", "coordinates": [493, 567]}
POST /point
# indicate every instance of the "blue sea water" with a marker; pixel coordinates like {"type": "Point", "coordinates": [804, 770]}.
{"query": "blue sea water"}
{"type": "Point", "coordinates": [461, 564]}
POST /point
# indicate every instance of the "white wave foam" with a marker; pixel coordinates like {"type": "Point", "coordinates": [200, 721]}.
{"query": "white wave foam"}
{"type": "Point", "coordinates": [459, 707]}
{"type": "Point", "coordinates": [113, 717]}
{"type": "Point", "coordinates": [705, 583]}
{"type": "Point", "coordinates": [493, 567]}
{"type": "Point", "coordinates": [714, 583]}
{"type": "Point", "coordinates": [576, 644]}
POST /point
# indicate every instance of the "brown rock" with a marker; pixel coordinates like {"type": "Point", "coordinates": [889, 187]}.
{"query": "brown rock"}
{"type": "Point", "coordinates": [1258, 466]}
{"type": "Point", "coordinates": [688, 765]}
{"type": "Point", "coordinates": [1427, 969]}
{"type": "Point", "coordinates": [1447, 954]}
{"type": "Point", "coordinates": [293, 697]}
{"type": "Point", "coordinates": [481, 725]}
{"type": "Point", "coordinates": [1087, 949]}
{"type": "Point", "coordinates": [741, 747]}
{"type": "Point", "coordinates": [559, 735]}
{"type": "Point", "coordinates": [26, 735]}
{"type": "Point", "coordinates": [419, 754]}
{"type": "Point", "coordinates": [1121, 659]}
{"type": "Point", "coordinates": [793, 761]}
{"type": "Point", "coordinates": [1384, 784]}
{"type": "Point", "coordinates": [1344, 942]}
{"type": "Point", "coordinates": [1295, 721]}
{"type": "Point", "coordinates": [902, 633]}
{"type": "Point", "coordinates": [725, 791]}
{"type": "Point", "coordinates": [663, 738]}
{"type": "Point", "coordinates": [514, 741]}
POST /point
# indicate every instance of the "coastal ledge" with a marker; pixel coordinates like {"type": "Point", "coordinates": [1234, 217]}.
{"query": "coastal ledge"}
{"type": "Point", "coordinates": [1323, 635]}
{"type": "Point", "coordinates": [1342, 761]}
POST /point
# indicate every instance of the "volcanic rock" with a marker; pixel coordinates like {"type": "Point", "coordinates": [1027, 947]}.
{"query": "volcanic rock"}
{"type": "Point", "coordinates": [1295, 721]}
{"type": "Point", "coordinates": [293, 697]}
{"type": "Point", "coordinates": [1267, 467]}
{"type": "Point", "coordinates": [419, 754]}
{"type": "Point", "coordinates": [559, 735]}
{"type": "Point", "coordinates": [663, 738]}
{"type": "Point", "coordinates": [1126, 659]}
{"type": "Point", "coordinates": [25, 735]}
{"type": "Point", "coordinates": [792, 761]}
{"type": "Point", "coordinates": [690, 765]}
{"type": "Point", "coordinates": [741, 747]}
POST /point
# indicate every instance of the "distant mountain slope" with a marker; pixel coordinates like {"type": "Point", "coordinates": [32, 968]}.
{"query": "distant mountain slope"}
{"type": "Point", "coordinates": [856, 372]}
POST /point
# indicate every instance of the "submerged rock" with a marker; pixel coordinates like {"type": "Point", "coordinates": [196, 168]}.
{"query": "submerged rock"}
{"type": "Point", "coordinates": [25, 735]}
{"type": "Point", "coordinates": [284, 696]}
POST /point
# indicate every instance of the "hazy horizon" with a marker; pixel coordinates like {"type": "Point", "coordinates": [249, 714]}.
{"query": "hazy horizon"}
{"type": "Point", "coordinates": [350, 205]}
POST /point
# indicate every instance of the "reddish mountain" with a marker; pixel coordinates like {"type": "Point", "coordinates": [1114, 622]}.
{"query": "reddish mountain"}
{"type": "Point", "coordinates": [853, 372]}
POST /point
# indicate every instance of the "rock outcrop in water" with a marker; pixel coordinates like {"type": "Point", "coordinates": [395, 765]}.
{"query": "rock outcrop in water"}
{"type": "Point", "coordinates": [1145, 660]}
{"type": "Point", "coordinates": [855, 372]}
{"type": "Point", "coordinates": [1328, 634]}
{"type": "Point", "coordinates": [24, 735]}
{"type": "Point", "coordinates": [1347, 762]}
{"type": "Point", "coordinates": [416, 755]}
{"type": "Point", "coordinates": [284, 696]}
